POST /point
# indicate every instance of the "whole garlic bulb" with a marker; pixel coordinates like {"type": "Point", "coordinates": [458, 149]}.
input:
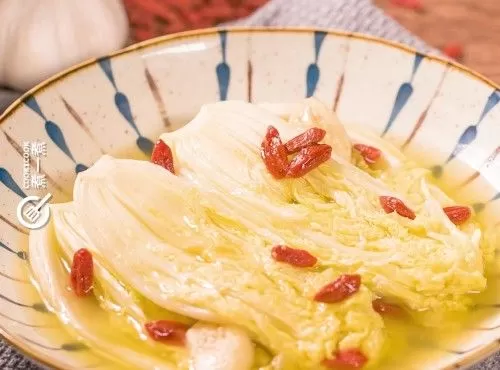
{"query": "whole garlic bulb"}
{"type": "Point", "coordinates": [39, 38]}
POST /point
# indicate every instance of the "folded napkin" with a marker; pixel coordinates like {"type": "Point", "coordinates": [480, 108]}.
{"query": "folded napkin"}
{"type": "Point", "coordinates": [350, 15]}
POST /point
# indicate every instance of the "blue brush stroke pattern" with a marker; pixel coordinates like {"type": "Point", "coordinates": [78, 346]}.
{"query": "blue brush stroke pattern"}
{"type": "Point", "coordinates": [40, 307]}
{"type": "Point", "coordinates": [478, 207]}
{"type": "Point", "coordinates": [57, 137]}
{"type": "Point", "coordinates": [467, 137]}
{"type": "Point", "coordinates": [223, 71]}
{"type": "Point", "coordinates": [31, 102]}
{"type": "Point", "coordinates": [313, 72]}
{"type": "Point", "coordinates": [404, 93]}
{"type": "Point", "coordinates": [4, 246]}
{"type": "Point", "coordinates": [54, 131]}
{"type": "Point", "coordinates": [123, 105]}
{"type": "Point", "coordinates": [21, 254]}
{"type": "Point", "coordinates": [223, 43]}
{"type": "Point", "coordinates": [493, 100]}
{"type": "Point", "coordinates": [416, 63]}
{"type": "Point", "coordinates": [8, 181]}
{"type": "Point", "coordinates": [121, 102]}
{"type": "Point", "coordinates": [80, 168]}
{"type": "Point", "coordinates": [14, 302]}
{"type": "Point", "coordinates": [74, 347]}
{"type": "Point", "coordinates": [145, 145]}
{"type": "Point", "coordinates": [470, 133]}
{"type": "Point", "coordinates": [319, 37]}
{"type": "Point", "coordinates": [223, 76]}
{"type": "Point", "coordinates": [312, 79]}
{"type": "Point", "coordinates": [105, 64]}
{"type": "Point", "coordinates": [437, 171]}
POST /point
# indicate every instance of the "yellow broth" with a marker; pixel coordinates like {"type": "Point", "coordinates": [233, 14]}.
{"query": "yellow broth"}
{"type": "Point", "coordinates": [409, 345]}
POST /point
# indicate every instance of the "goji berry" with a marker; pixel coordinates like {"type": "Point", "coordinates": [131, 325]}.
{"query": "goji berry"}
{"type": "Point", "coordinates": [294, 257]}
{"type": "Point", "coordinates": [169, 332]}
{"type": "Point", "coordinates": [391, 204]}
{"type": "Point", "coordinates": [82, 272]}
{"type": "Point", "coordinates": [274, 153]}
{"type": "Point", "coordinates": [454, 51]}
{"type": "Point", "coordinates": [369, 153]}
{"type": "Point", "coordinates": [162, 156]}
{"type": "Point", "coordinates": [343, 287]}
{"type": "Point", "coordinates": [346, 359]}
{"type": "Point", "coordinates": [409, 4]}
{"type": "Point", "coordinates": [312, 136]}
{"type": "Point", "coordinates": [308, 159]}
{"type": "Point", "coordinates": [458, 214]}
{"type": "Point", "coordinates": [385, 308]}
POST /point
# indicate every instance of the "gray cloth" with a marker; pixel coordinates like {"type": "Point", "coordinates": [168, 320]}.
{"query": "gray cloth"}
{"type": "Point", "coordinates": [7, 96]}
{"type": "Point", "coordinates": [348, 15]}
{"type": "Point", "coordinates": [351, 15]}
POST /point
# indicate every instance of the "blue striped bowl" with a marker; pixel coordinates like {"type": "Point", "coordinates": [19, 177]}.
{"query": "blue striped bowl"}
{"type": "Point", "coordinates": [447, 115]}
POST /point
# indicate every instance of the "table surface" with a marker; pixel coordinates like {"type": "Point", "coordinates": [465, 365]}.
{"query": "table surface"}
{"type": "Point", "coordinates": [473, 23]}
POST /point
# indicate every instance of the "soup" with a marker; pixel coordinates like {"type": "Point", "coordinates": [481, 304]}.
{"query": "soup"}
{"type": "Point", "coordinates": [263, 237]}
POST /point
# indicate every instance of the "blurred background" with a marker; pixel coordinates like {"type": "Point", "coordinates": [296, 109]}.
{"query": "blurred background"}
{"type": "Point", "coordinates": [473, 25]}
{"type": "Point", "coordinates": [465, 30]}
{"type": "Point", "coordinates": [467, 27]}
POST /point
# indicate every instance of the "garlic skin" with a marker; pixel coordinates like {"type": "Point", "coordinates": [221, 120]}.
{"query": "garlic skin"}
{"type": "Point", "coordinates": [213, 347]}
{"type": "Point", "coordinates": [39, 38]}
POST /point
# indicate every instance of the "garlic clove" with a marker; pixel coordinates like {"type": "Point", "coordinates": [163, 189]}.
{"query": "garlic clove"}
{"type": "Point", "coordinates": [39, 38]}
{"type": "Point", "coordinates": [213, 347]}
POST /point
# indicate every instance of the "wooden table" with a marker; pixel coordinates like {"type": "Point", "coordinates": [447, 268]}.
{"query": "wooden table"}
{"type": "Point", "coordinates": [473, 23]}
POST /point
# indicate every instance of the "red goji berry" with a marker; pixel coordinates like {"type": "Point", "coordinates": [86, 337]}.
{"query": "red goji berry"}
{"type": "Point", "coordinates": [308, 159]}
{"type": "Point", "coordinates": [312, 136]}
{"type": "Point", "coordinates": [391, 204]}
{"type": "Point", "coordinates": [169, 332]}
{"type": "Point", "coordinates": [343, 287]}
{"type": "Point", "coordinates": [369, 153]}
{"type": "Point", "coordinates": [82, 272]}
{"type": "Point", "coordinates": [385, 308]}
{"type": "Point", "coordinates": [454, 51]}
{"type": "Point", "coordinates": [274, 153]}
{"type": "Point", "coordinates": [294, 257]}
{"type": "Point", "coordinates": [409, 4]}
{"type": "Point", "coordinates": [346, 359]}
{"type": "Point", "coordinates": [458, 214]}
{"type": "Point", "coordinates": [162, 156]}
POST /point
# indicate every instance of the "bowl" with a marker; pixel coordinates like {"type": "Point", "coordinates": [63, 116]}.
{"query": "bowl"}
{"type": "Point", "coordinates": [437, 111]}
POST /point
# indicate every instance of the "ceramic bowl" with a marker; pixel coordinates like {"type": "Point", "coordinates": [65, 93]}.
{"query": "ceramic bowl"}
{"type": "Point", "coordinates": [443, 113]}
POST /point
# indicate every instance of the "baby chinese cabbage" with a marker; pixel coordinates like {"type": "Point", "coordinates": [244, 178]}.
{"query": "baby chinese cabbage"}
{"type": "Point", "coordinates": [84, 319]}
{"type": "Point", "coordinates": [334, 211]}
{"type": "Point", "coordinates": [126, 311]}
{"type": "Point", "coordinates": [112, 294]}
{"type": "Point", "coordinates": [196, 247]}
{"type": "Point", "coordinates": [164, 243]}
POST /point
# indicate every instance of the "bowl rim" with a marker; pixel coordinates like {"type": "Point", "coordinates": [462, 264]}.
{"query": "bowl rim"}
{"type": "Point", "coordinates": [37, 356]}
